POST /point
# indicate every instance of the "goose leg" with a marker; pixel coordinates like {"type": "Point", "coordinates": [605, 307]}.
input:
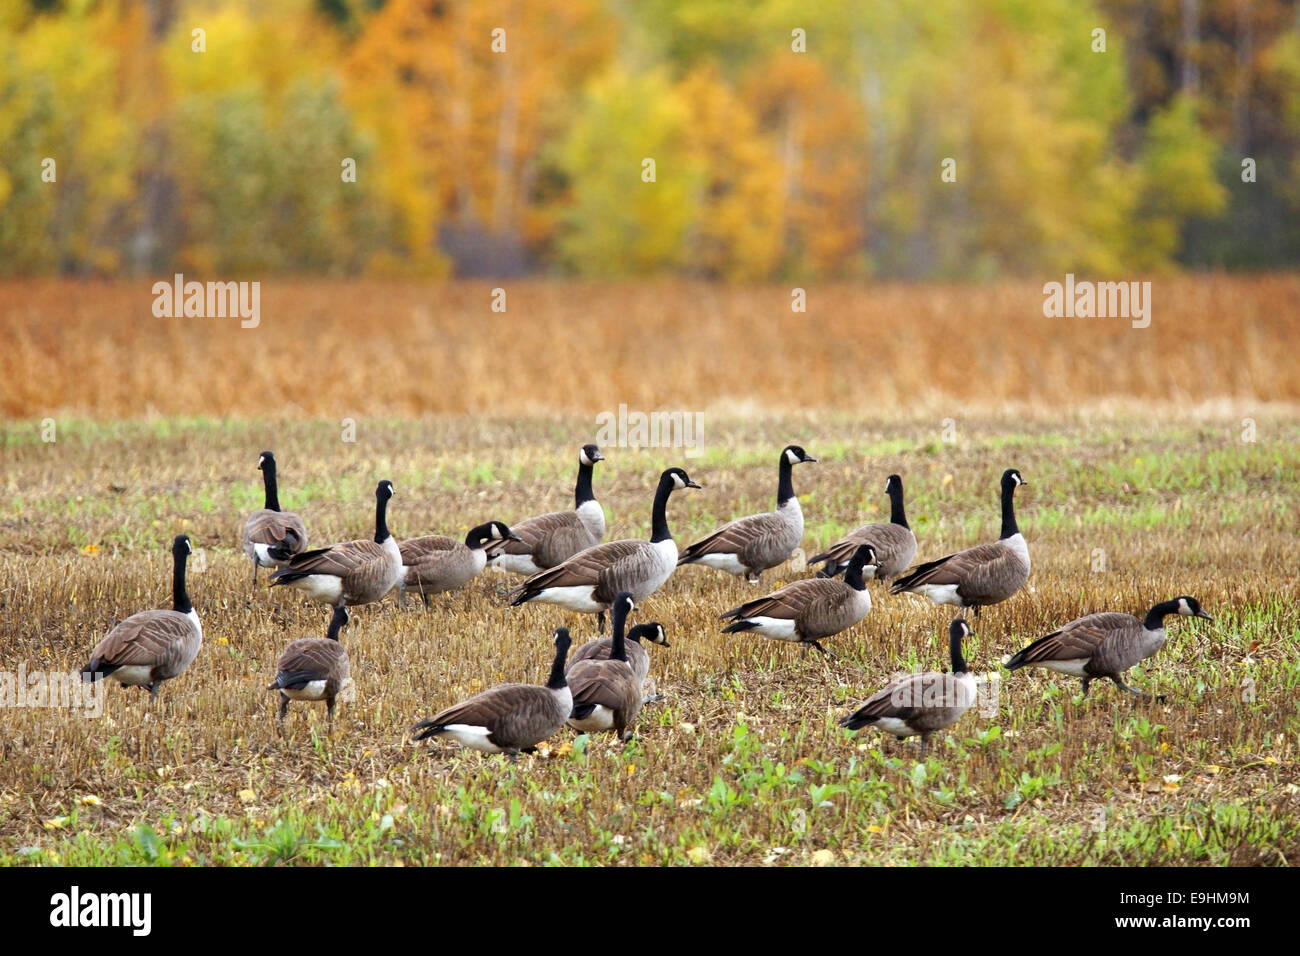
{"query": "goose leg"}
{"type": "Point", "coordinates": [825, 653]}
{"type": "Point", "coordinates": [424, 596]}
{"type": "Point", "coordinates": [329, 709]}
{"type": "Point", "coordinates": [650, 692]}
{"type": "Point", "coordinates": [925, 744]}
{"type": "Point", "coordinates": [1086, 682]}
{"type": "Point", "coordinates": [1119, 682]}
{"type": "Point", "coordinates": [600, 622]}
{"type": "Point", "coordinates": [255, 572]}
{"type": "Point", "coordinates": [284, 707]}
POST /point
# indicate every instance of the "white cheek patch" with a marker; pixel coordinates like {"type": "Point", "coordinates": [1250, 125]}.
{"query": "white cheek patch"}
{"type": "Point", "coordinates": [677, 481]}
{"type": "Point", "coordinates": [791, 457]}
{"type": "Point", "coordinates": [1183, 608]}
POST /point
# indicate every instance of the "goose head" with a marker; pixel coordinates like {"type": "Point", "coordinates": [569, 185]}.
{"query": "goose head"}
{"type": "Point", "coordinates": [1011, 479]}
{"type": "Point", "coordinates": [652, 632]}
{"type": "Point", "coordinates": [384, 490]}
{"type": "Point", "coordinates": [589, 455]}
{"type": "Point", "coordinates": [181, 546]}
{"type": "Point", "coordinates": [562, 639]}
{"type": "Point", "coordinates": [623, 603]}
{"type": "Point", "coordinates": [678, 479]}
{"type": "Point", "coordinates": [796, 455]}
{"type": "Point", "coordinates": [484, 534]}
{"type": "Point", "coordinates": [1190, 607]}
{"type": "Point", "coordinates": [265, 459]}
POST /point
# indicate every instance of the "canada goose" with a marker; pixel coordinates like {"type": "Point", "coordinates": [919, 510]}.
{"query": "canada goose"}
{"type": "Point", "coordinates": [314, 668]}
{"type": "Point", "coordinates": [607, 693]}
{"type": "Point", "coordinates": [545, 541]}
{"type": "Point", "coordinates": [809, 610]}
{"type": "Point", "coordinates": [894, 542]}
{"type": "Point", "coordinates": [436, 563]}
{"type": "Point", "coordinates": [749, 546]}
{"type": "Point", "coordinates": [921, 703]}
{"type": "Point", "coordinates": [1105, 644]}
{"type": "Point", "coordinates": [351, 573]}
{"type": "Point", "coordinates": [980, 576]}
{"type": "Point", "coordinates": [272, 536]}
{"type": "Point", "coordinates": [510, 718]}
{"type": "Point", "coordinates": [637, 656]}
{"type": "Point", "coordinates": [588, 581]}
{"type": "Point", "coordinates": [152, 646]}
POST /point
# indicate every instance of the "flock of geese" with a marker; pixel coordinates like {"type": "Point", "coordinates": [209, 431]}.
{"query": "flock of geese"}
{"type": "Point", "coordinates": [602, 687]}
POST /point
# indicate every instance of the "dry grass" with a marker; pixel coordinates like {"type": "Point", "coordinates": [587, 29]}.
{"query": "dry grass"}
{"type": "Point", "coordinates": [744, 762]}
{"type": "Point", "coordinates": [382, 348]}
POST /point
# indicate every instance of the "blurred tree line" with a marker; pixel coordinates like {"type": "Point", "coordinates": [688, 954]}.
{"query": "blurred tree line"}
{"type": "Point", "coordinates": [790, 138]}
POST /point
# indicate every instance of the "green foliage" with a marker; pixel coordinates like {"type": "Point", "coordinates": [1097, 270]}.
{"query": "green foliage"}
{"type": "Point", "coordinates": [772, 161]}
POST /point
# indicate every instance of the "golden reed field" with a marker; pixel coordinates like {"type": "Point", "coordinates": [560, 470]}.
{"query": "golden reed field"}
{"type": "Point", "coordinates": [373, 347]}
{"type": "Point", "coordinates": [1160, 462]}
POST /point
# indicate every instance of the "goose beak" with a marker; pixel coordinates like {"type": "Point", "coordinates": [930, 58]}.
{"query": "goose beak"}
{"type": "Point", "coordinates": [691, 483]}
{"type": "Point", "coordinates": [1201, 613]}
{"type": "Point", "coordinates": [513, 537]}
{"type": "Point", "coordinates": [810, 459]}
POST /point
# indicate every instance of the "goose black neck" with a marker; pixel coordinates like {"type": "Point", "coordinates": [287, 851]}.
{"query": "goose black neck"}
{"type": "Point", "coordinates": [180, 598]}
{"type": "Point", "coordinates": [1009, 526]}
{"type": "Point", "coordinates": [954, 651]}
{"type": "Point", "coordinates": [336, 623]}
{"type": "Point", "coordinates": [556, 680]}
{"type": "Point", "coordinates": [381, 519]}
{"type": "Point", "coordinates": [659, 514]}
{"type": "Point", "coordinates": [897, 514]}
{"type": "Point", "coordinates": [853, 574]}
{"type": "Point", "coordinates": [583, 493]}
{"type": "Point", "coordinates": [272, 490]}
{"type": "Point", "coordinates": [1156, 616]}
{"type": "Point", "coordinates": [785, 483]}
{"type": "Point", "coordinates": [618, 648]}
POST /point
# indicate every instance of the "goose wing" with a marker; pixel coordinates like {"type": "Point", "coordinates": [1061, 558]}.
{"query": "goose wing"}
{"type": "Point", "coordinates": [606, 683]}
{"type": "Point", "coordinates": [898, 699]}
{"type": "Point", "coordinates": [751, 538]}
{"type": "Point", "coordinates": [548, 538]}
{"type": "Point", "coordinates": [514, 714]}
{"type": "Point", "coordinates": [339, 561]}
{"type": "Point", "coordinates": [609, 565]}
{"type": "Point", "coordinates": [415, 550]}
{"type": "Point", "coordinates": [985, 572]}
{"type": "Point", "coordinates": [309, 659]}
{"type": "Point", "coordinates": [275, 527]}
{"type": "Point", "coordinates": [159, 639]}
{"type": "Point", "coordinates": [1080, 639]}
{"type": "Point", "coordinates": [925, 701]}
{"type": "Point", "coordinates": [791, 601]}
{"type": "Point", "coordinates": [894, 544]}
